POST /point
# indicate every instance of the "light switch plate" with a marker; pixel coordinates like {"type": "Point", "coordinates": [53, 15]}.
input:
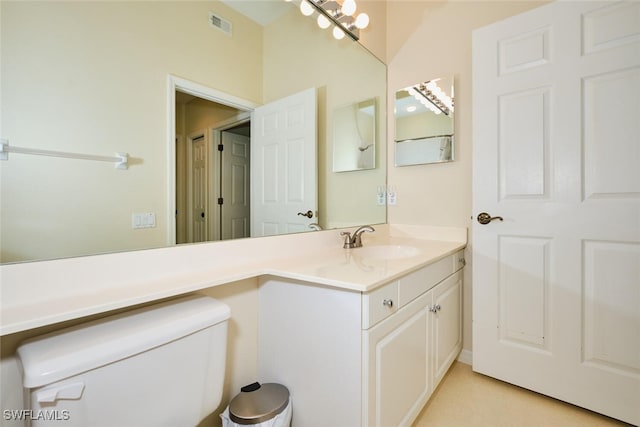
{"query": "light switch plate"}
{"type": "Point", "coordinates": [143, 220]}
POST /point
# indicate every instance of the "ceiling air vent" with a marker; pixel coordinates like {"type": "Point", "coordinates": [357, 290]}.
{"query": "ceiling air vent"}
{"type": "Point", "coordinates": [220, 23]}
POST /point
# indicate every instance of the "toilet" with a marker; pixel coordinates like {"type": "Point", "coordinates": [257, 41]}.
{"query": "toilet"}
{"type": "Point", "coordinates": [161, 365]}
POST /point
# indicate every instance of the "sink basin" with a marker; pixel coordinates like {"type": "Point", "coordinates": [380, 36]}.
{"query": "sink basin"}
{"type": "Point", "coordinates": [386, 252]}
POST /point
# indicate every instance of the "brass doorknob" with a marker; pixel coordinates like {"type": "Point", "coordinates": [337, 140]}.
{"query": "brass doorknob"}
{"type": "Point", "coordinates": [484, 218]}
{"type": "Point", "coordinates": [308, 214]}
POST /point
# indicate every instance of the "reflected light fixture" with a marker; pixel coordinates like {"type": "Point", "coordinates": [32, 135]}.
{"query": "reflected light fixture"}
{"type": "Point", "coordinates": [432, 97]}
{"type": "Point", "coordinates": [305, 8]}
{"type": "Point", "coordinates": [323, 22]}
{"type": "Point", "coordinates": [340, 13]}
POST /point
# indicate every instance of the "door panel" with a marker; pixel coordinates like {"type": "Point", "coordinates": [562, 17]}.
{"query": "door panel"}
{"type": "Point", "coordinates": [447, 328]}
{"type": "Point", "coordinates": [235, 186]}
{"type": "Point", "coordinates": [398, 365]}
{"type": "Point", "coordinates": [523, 144]}
{"type": "Point", "coordinates": [611, 296]}
{"type": "Point", "coordinates": [523, 287]}
{"type": "Point", "coordinates": [556, 302]}
{"type": "Point", "coordinates": [284, 172]}
{"type": "Point", "coordinates": [611, 167]}
{"type": "Point", "coordinates": [199, 190]}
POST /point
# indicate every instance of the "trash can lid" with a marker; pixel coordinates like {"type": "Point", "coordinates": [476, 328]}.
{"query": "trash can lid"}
{"type": "Point", "coordinates": [258, 403]}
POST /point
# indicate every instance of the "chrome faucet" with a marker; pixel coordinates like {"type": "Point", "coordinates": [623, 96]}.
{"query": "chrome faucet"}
{"type": "Point", "coordinates": [355, 241]}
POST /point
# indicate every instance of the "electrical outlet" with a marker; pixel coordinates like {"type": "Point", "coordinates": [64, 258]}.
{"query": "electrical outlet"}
{"type": "Point", "coordinates": [381, 195]}
{"type": "Point", "coordinates": [392, 196]}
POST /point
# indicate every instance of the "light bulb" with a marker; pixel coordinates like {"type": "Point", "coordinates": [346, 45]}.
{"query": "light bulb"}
{"type": "Point", "coordinates": [323, 22]}
{"type": "Point", "coordinates": [348, 7]}
{"type": "Point", "coordinates": [338, 34]}
{"type": "Point", "coordinates": [362, 21]}
{"type": "Point", "coordinates": [306, 8]}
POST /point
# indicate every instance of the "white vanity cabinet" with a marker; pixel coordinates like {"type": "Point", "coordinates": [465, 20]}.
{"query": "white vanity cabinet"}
{"type": "Point", "coordinates": [361, 359]}
{"type": "Point", "coordinates": [408, 354]}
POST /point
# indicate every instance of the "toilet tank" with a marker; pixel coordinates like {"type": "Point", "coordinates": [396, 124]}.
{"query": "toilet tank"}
{"type": "Point", "coordinates": [161, 365]}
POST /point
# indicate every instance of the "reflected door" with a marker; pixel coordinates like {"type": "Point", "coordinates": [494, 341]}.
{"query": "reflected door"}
{"type": "Point", "coordinates": [556, 298]}
{"type": "Point", "coordinates": [235, 213]}
{"type": "Point", "coordinates": [284, 171]}
{"type": "Point", "coordinates": [199, 190]}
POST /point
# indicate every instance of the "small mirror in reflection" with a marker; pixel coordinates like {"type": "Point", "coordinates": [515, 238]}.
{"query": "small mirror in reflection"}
{"type": "Point", "coordinates": [354, 136]}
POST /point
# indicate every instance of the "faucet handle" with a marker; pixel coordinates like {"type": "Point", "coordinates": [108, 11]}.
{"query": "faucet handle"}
{"type": "Point", "coordinates": [347, 239]}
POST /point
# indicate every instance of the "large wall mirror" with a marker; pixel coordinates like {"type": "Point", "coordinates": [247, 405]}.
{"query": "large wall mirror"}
{"type": "Point", "coordinates": [424, 122]}
{"type": "Point", "coordinates": [95, 78]}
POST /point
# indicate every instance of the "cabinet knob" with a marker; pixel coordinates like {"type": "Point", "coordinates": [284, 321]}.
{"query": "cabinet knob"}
{"type": "Point", "coordinates": [435, 308]}
{"type": "Point", "coordinates": [387, 303]}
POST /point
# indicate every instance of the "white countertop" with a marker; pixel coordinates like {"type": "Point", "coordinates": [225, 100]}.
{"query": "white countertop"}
{"type": "Point", "coordinates": [42, 293]}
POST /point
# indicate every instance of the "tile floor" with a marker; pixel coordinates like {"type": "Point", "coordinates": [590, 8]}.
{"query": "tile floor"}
{"type": "Point", "coordinates": [467, 399]}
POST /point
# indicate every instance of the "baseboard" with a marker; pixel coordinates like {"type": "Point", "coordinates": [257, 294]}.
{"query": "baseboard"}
{"type": "Point", "coordinates": [466, 357]}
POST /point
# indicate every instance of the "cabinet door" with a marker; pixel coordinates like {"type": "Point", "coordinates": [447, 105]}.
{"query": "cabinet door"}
{"type": "Point", "coordinates": [396, 366]}
{"type": "Point", "coordinates": [447, 324]}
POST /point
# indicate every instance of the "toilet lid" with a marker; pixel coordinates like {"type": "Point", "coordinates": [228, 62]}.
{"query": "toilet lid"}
{"type": "Point", "coordinates": [263, 403]}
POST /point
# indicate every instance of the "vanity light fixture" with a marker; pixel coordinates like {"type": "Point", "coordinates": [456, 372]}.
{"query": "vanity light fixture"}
{"type": "Point", "coordinates": [432, 97]}
{"type": "Point", "coordinates": [339, 13]}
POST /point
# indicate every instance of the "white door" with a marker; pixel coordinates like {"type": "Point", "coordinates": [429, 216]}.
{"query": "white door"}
{"type": "Point", "coordinates": [556, 116]}
{"type": "Point", "coordinates": [199, 193]}
{"type": "Point", "coordinates": [235, 216]}
{"type": "Point", "coordinates": [283, 159]}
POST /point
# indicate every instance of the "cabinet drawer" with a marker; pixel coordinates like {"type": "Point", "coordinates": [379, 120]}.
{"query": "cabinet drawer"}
{"type": "Point", "coordinates": [415, 284]}
{"type": "Point", "coordinates": [379, 304]}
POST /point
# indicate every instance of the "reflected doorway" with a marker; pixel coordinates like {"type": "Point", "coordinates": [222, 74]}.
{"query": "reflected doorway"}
{"type": "Point", "coordinates": [212, 170]}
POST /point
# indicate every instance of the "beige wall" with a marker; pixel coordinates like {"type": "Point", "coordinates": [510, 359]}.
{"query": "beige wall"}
{"type": "Point", "coordinates": [71, 83]}
{"type": "Point", "coordinates": [202, 114]}
{"type": "Point", "coordinates": [374, 37]}
{"type": "Point", "coordinates": [429, 39]}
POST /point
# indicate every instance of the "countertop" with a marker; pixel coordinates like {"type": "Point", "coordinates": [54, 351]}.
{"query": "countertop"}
{"type": "Point", "coordinates": [42, 293]}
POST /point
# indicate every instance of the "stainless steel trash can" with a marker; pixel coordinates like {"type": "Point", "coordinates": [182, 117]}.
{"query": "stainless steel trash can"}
{"type": "Point", "coordinates": [260, 405]}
